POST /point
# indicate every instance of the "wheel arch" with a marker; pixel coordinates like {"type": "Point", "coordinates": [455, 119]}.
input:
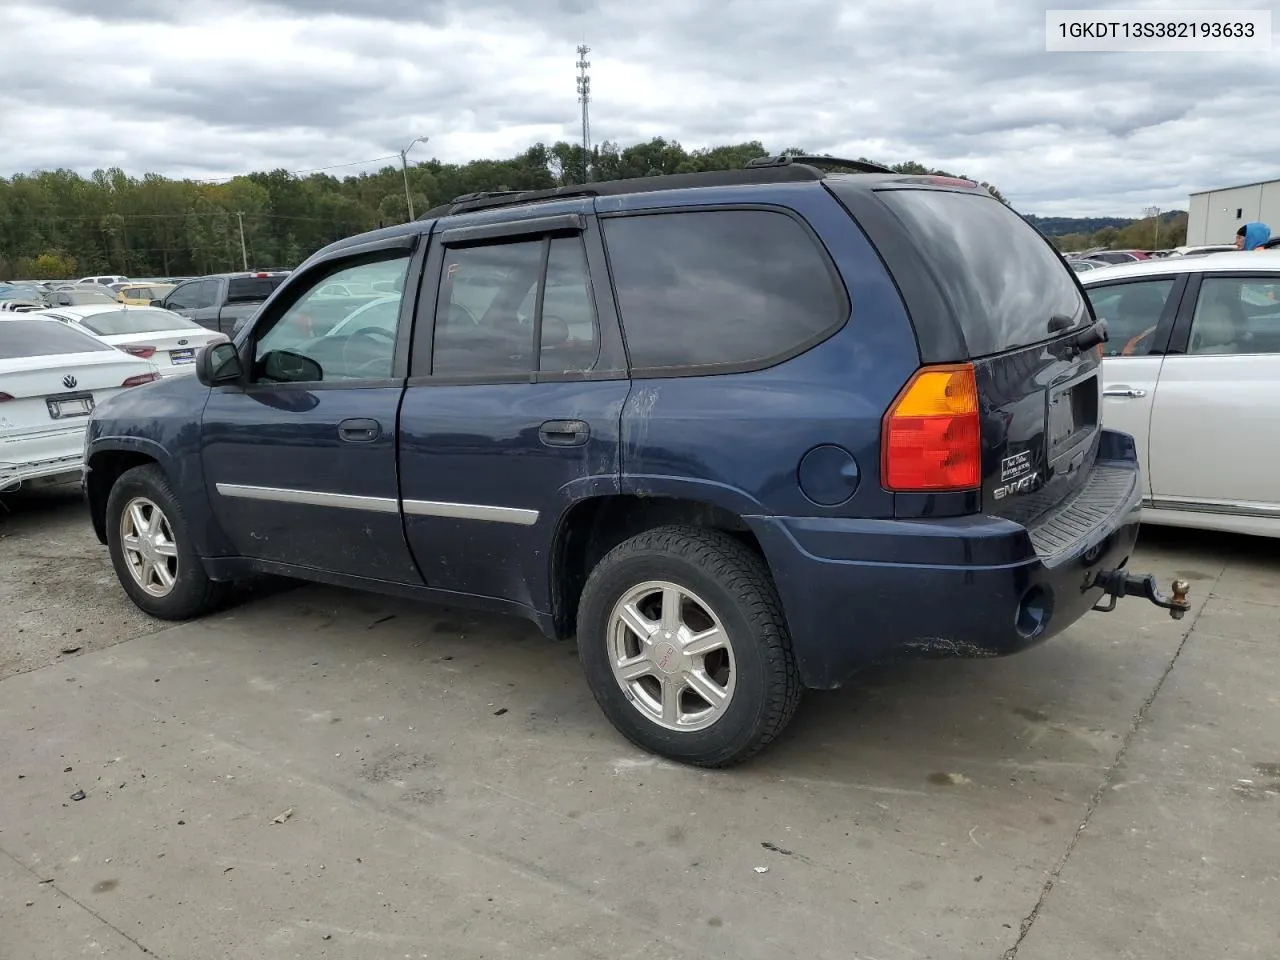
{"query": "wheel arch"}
{"type": "Point", "coordinates": [593, 526]}
{"type": "Point", "coordinates": [106, 463]}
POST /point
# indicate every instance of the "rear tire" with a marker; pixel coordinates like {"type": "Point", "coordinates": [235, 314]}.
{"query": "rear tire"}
{"type": "Point", "coordinates": [150, 545]}
{"type": "Point", "coordinates": [713, 679]}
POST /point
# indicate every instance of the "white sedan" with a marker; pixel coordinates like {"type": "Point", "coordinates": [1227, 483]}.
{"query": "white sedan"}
{"type": "Point", "coordinates": [166, 338]}
{"type": "Point", "coordinates": [51, 377]}
{"type": "Point", "coordinates": [1192, 371]}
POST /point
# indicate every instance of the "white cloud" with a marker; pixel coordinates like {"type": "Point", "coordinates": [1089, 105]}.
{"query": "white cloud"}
{"type": "Point", "coordinates": [207, 89]}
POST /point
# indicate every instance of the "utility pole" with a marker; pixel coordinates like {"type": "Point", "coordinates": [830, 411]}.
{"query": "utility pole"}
{"type": "Point", "coordinates": [244, 251]}
{"type": "Point", "coordinates": [1154, 212]}
{"type": "Point", "coordinates": [404, 166]}
{"type": "Point", "coordinates": [584, 98]}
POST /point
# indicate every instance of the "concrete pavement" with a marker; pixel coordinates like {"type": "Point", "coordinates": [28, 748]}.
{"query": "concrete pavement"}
{"type": "Point", "coordinates": [447, 787]}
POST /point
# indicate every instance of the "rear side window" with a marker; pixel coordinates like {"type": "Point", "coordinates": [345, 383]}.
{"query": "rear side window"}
{"type": "Point", "coordinates": [245, 289]}
{"type": "Point", "coordinates": [1001, 278]}
{"type": "Point", "coordinates": [43, 338]}
{"type": "Point", "coordinates": [719, 287]}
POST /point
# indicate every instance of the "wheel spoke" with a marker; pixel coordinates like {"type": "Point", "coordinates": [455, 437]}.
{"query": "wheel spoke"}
{"type": "Point", "coordinates": [633, 669]}
{"type": "Point", "coordinates": [706, 688]}
{"type": "Point", "coordinates": [154, 521]}
{"type": "Point", "coordinates": [670, 700]}
{"type": "Point", "coordinates": [130, 543]}
{"type": "Point", "coordinates": [166, 548]}
{"type": "Point", "coordinates": [700, 644]}
{"type": "Point", "coordinates": [638, 623]}
{"type": "Point", "coordinates": [671, 602]}
{"type": "Point", "coordinates": [164, 575]}
{"type": "Point", "coordinates": [138, 519]}
{"type": "Point", "coordinates": [147, 572]}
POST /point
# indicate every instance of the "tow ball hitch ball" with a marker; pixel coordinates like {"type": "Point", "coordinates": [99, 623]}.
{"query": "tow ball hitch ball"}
{"type": "Point", "coordinates": [1119, 583]}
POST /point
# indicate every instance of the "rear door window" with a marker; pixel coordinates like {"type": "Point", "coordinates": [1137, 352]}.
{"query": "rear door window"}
{"type": "Point", "coordinates": [1004, 282]}
{"type": "Point", "coordinates": [720, 287]}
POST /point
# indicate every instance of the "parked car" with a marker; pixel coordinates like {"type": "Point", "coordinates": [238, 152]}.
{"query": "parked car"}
{"type": "Point", "coordinates": [741, 433]}
{"type": "Point", "coordinates": [104, 281]}
{"type": "Point", "coordinates": [1193, 373]}
{"type": "Point", "coordinates": [1116, 256]}
{"type": "Point", "coordinates": [1083, 266]}
{"type": "Point", "coordinates": [142, 295]}
{"type": "Point", "coordinates": [81, 296]}
{"type": "Point", "coordinates": [1202, 250]}
{"type": "Point", "coordinates": [168, 340]}
{"type": "Point", "coordinates": [217, 302]}
{"type": "Point", "coordinates": [51, 378]}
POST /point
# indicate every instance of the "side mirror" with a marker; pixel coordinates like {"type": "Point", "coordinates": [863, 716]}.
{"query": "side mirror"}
{"type": "Point", "coordinates": [157, 303]}
{"type": "Point", "coordinates": [218, 363]}
{"type": "Point", "coordinates": [284, 366]}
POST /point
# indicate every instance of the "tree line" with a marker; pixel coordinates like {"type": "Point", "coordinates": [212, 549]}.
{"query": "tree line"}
{"type": "Point", "coordinates": [58, 224]}
{"type": "Point", "coordinates": [1152, 233]}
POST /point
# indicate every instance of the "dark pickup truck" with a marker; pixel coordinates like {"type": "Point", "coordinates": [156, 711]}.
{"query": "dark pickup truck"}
{"type": "Point", "coordinates": [218, 301]}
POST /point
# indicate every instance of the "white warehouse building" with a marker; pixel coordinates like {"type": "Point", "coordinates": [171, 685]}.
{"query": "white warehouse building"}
{"type": "Point", "coordinates": [1215, 215]}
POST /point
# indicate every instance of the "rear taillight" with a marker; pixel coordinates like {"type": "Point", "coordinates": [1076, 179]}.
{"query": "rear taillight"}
{"type": "Point", "coordinates": [145, 353]}
{"type": "Point", "coordinates": [932, 434]}
{"type": "Point", "coordinates": [140, 379]}
{"type": "Point", "coordinates": [5, 396]}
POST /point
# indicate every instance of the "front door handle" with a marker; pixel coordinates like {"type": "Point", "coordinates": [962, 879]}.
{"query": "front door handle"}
{"type": "Point", "coordinates": [1123, 390]}
{"type": "Point", "coordinates": [564, 433]}
{"type": "Point", "coordinates": [359, 430]}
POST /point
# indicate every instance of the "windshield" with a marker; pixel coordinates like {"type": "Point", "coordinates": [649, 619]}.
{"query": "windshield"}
{"type": "Point", "coordinates": [43, 338]}
{"type": "Point", "coordinates": [1003, 280]}
{"type": "Point", "coordinates": [116, 322]}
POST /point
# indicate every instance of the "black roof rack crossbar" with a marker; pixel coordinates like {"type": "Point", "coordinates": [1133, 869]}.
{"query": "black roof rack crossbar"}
{"type": "Point", "coordinates": [786, 159]}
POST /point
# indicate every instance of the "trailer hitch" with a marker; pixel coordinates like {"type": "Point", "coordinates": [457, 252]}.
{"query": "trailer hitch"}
{"type": "Point", "coordinates": [1120, 583]}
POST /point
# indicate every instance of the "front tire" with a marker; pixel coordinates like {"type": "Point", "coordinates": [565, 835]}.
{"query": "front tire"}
{"type": "Point", "coordinates": [150, 546]}
{"type": "Point", "coordinates": [685, 647]}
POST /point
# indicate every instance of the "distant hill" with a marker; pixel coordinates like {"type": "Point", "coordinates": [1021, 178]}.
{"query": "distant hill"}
{"type": "Point", "coordinates": [1061, 226]}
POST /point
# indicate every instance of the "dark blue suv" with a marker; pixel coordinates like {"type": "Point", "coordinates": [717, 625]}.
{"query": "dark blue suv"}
{"type": "Point", "coordinates": [740, 433]}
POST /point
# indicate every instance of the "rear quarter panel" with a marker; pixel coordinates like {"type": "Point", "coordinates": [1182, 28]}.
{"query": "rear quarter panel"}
{"type": "Point", "coordinates": [736, 440]}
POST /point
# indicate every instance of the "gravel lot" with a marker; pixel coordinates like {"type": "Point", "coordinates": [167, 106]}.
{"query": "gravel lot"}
{"type": "Point", "coordinates": [446, 787]}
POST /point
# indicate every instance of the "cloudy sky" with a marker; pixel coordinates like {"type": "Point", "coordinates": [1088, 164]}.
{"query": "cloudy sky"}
{"type": "Point", "coordinates": [211, 88]}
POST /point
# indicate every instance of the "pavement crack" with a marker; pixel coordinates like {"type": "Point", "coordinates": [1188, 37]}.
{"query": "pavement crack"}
{"type": "Point", "coordinates": [1108, 776]}
{"type": "Point", "coordinates": [83, 906]}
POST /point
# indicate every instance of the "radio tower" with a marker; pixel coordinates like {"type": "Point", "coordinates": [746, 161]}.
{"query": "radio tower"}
{"type": "Point", "coordinates": [584, 98]}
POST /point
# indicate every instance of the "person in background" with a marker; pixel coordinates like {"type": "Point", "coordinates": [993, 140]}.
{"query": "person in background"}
{"type": "Point", "coordinates": [1252, 236]}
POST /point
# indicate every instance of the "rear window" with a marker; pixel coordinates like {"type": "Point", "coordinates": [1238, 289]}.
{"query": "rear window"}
{"type": "Point", "coordinates": [244, 289]}
{"type": "Point", "coordinates": [1001, 277]}
{"type": "Point", "coordinates": [43, 338]}
{"type": "Point", "coordinates": [116, 322]}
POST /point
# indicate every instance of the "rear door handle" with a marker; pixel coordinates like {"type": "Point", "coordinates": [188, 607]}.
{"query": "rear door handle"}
{"type": "Point", "coordinates": [1122, 390]}
{"type": "Point", "coordinates": [359, 430]}
{"type": "Point", "coordinates": [564, 433]}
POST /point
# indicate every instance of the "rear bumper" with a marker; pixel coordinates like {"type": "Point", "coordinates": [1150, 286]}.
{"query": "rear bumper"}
{"type": "Point", "coordinates": [863, 592]}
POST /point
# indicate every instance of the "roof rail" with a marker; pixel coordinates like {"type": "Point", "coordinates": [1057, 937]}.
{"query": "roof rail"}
{"type": "Point", "coordinates": [785, 159]}
{"type": "Point", "coordinates": [787, 172]}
